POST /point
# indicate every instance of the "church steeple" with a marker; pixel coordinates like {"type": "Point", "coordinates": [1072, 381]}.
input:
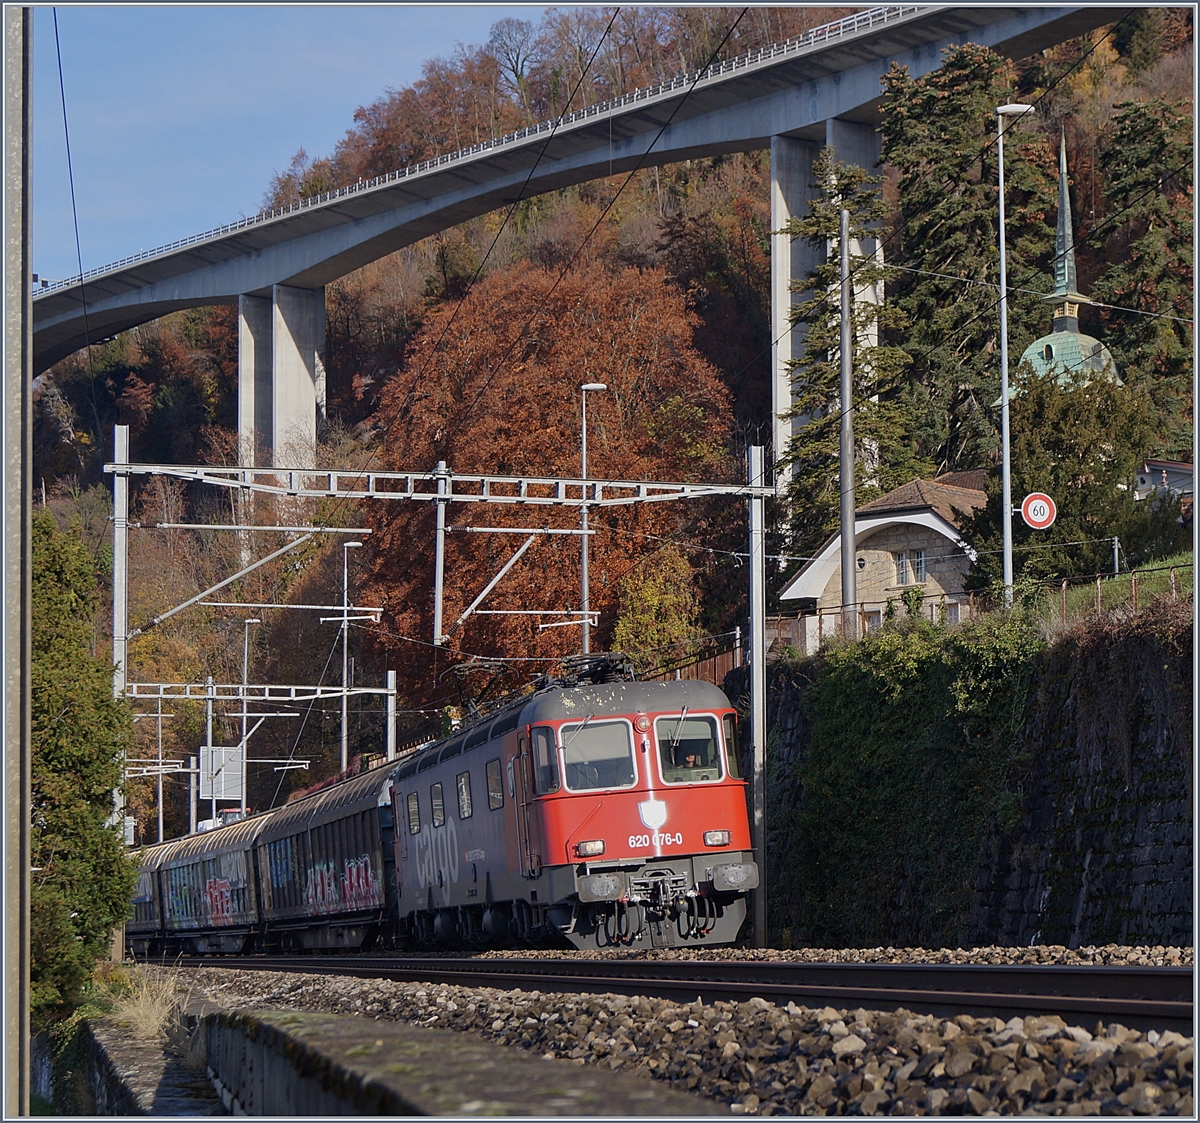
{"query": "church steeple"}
{"type": "Point", "coordinates": [1066, 297]}
{"type": "Point", "coordinates": [1066, 352]}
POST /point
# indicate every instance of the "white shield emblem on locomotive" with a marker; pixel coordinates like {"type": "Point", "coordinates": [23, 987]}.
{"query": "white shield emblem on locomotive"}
{"type": "Point", "coordinates": [653, 813]}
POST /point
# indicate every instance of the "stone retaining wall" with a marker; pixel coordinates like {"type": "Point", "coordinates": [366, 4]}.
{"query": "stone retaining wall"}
{"type": "Point", "coordinates": [1102, 852]}
{"type": "Point", "coordinates": [1097, 848]}
{"type": "Point", "coordinates": [290, 1064]}
{"type": "Point", "coordinates": [126, 1075]}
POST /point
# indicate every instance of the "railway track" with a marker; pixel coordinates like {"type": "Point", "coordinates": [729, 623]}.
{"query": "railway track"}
{"type": "Point", "coordinates": [1141, 998]}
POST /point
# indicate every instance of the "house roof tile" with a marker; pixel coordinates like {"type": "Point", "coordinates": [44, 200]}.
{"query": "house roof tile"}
{"type": "Point", "coordinates": [944, 499]}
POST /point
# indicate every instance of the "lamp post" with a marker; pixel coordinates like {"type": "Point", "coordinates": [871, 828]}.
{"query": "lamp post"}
{"type": "Point", "coordinates": [1014, 110]}
{"type": "Point", "coordinates": [245, 670]}
{"type": "Point", "coordinates": [583, 513]}
{"type": "Point", "coordinates": [346, 548]}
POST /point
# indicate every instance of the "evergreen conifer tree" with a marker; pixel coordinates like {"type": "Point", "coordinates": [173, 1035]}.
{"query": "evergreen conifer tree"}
{"type": "Point", "coordinates": [883, 455]}
{"type": "Point", "coordinates": [1148, 161]}
{"type": "Point", "coordinates": [82, 879]}
{"type": "Point", "coordinates": [1081, 443]}
{"type": "Point", "coordinates": [936, 133]}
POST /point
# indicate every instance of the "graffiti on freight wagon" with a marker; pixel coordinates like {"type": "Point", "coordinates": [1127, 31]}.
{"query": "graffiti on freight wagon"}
{"type": "Point", "coordinates": [218, 900]}
{"type": "Point", "coordinates": [321, 888]}
{"type": "Point", "coordinates": [355, 886]}
{"type": "Point", "coordinates": [359, 888]}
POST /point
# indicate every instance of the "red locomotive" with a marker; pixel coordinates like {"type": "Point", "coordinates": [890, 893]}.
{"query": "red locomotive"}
{"type": "Point", "coordinates": [602, 814]}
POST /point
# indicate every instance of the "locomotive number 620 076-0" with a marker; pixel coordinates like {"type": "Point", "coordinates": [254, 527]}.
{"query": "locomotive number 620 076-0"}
{"type": "Point", "coordinates": [488, 836]}
{"type": "Point", "coordinates": [638, 841]}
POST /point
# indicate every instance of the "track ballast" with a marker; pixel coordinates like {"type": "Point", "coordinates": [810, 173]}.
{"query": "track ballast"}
{"type": "Point", "coordinates": [1138, 997]}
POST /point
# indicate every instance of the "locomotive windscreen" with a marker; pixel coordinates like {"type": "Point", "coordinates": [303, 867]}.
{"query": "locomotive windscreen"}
{"type": "Point", "coordinates": [598, 754]}
{"type": "Point", "coordinates": [688, 749]}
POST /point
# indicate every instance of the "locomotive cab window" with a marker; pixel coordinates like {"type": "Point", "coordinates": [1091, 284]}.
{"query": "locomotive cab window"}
{"type": "Point", "coordinates": [545, 760]}
{"type": "Point", "coordinates": [439, 805]}
{"type": "Point", "coordinates": [414, 814]}
{"type": "Point", "coordinates": [495, 785]}
{"type": "Point", "coordinates": [463, 783]}
{"type": "Point", "coordinates": [731, 745]}
{"type": "Point", "coordinates": [688, 748]}
{"type": "Point", "coordinates": [597, 754]}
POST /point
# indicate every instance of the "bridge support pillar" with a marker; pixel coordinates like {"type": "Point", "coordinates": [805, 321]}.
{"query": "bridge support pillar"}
{"type": "Point", "coordinates": [791, 259]}
{"type": "Point", "coordinates": [792, 189]}
{"type": "Point", "coordinates": [281, 376]}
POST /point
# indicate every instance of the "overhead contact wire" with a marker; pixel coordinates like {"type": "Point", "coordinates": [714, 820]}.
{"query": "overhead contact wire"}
{"type": "Point", "coordinates": [87, 336]}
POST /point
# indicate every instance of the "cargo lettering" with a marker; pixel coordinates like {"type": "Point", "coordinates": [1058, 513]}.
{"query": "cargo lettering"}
{"type": "Point", "coordinates": [435, 858]}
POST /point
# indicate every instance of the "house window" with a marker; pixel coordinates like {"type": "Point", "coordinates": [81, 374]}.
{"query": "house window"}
{"type": "Point", "coordinates": [918, 562]}
{"type": "Point", "coordinates": [952, 612]}
{"type": "Point", "coordinates": [901, 560]}
{"type": "Point", "coordinates": [874, 620]}
{"type": "Point", "coordinates": [1049, 352]}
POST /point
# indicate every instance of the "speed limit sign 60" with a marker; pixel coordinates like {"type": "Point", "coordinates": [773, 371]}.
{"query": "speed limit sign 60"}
{"type": "Point", "coordinates": [1038, 510]}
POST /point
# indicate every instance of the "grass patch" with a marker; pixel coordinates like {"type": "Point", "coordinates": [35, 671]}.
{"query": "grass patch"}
{"type": "Point", "coordinates": [150, 1004]}
{"type": "Point", "coordinates": [1153, 581]}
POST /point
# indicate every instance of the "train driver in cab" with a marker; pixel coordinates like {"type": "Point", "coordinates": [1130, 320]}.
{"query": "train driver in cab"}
{"type": "Point", "coordinates": [688, 749]}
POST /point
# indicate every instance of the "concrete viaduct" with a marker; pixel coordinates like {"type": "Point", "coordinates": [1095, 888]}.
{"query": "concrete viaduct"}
{"type": "Point", "coordinates": [793, 98]}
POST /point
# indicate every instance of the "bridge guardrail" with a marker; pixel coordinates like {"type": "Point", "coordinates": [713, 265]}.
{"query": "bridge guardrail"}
{"type": "Point", "coordinates": [825, 33]}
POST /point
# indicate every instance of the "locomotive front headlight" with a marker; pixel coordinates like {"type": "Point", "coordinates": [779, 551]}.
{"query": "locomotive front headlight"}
{"type": "Point", "coordinates": [592, 849]}
{"type": "Point", "coordinates": [716, 838]}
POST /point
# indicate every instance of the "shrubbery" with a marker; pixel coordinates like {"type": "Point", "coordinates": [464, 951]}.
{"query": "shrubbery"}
{"type": "Point", "coordinates": [879, 824]}
{"type": "Point", "coordinates": [82, 878]}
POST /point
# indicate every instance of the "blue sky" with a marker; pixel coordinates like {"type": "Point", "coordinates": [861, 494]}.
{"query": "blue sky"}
{"type": "Point", "coordinates": [179, 115]}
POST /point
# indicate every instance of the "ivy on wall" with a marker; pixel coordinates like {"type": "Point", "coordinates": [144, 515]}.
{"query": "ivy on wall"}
{"type": "Point", "coordinates": [878, 824]}
{"type": "Point", "coordinates": [936, 787]}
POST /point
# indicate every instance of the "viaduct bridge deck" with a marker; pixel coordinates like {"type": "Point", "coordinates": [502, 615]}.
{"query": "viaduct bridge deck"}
{"type": "Point", "coordinates": [791, 89]}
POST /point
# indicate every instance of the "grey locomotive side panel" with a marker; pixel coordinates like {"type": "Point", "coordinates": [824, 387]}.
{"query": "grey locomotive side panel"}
{"type": "Point", "coordinates": [471, 860]}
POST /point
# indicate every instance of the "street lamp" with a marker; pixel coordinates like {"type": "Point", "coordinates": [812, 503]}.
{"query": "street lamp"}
{"type": "Point", "coordinates": [583, 512]}
{"type": "Point", "coordinates": [245, 665]}
{"type": "Point", "coordinates": [346, 548]}
{"type": "Point", "coordinates": [1014, 110]}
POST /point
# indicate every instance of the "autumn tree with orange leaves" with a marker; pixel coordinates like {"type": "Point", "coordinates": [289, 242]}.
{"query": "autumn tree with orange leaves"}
{"type": "Point", "coordinates": [494, 387]}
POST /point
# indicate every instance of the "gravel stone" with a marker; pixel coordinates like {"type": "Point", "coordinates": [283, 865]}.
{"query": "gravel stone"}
{"type": "Point", "coordinates": [1109, 955]}
{"type": "Point", "coordinates": [763, 1059]}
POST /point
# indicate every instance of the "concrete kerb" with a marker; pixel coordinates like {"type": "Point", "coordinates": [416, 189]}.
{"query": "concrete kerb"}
{"type": "Point", "coordinates": [292, 1064]}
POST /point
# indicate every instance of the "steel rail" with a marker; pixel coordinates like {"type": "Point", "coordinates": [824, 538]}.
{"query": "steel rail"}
{"type": "Point", "coordinates": [1138, 997]}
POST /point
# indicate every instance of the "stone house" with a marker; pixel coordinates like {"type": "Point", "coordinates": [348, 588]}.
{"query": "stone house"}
{"type": "Point", "coordinates": [906, 539]}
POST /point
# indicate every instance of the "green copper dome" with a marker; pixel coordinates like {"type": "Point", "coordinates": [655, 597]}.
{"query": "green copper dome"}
{"type": "Point", "coordinates": [1068, 353]}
